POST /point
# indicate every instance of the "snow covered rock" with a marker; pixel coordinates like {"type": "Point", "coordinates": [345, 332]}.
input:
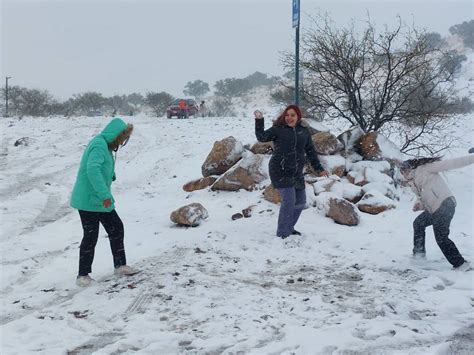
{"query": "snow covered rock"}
{"type": "Point", "coordinates": [326, 143]}
{"type": "Point", "coordinates": [339, 188]}
{"type": "Point", "coordinates": [199, 184]}
{"type": "Point", "coordinates": [224, 154]}
{"type": "Point", "coordinates": [374, 146]}
{"type": "Point", "coordinates": [374, 202]}
{"type": "Point", "coordinates": [350, 138]}
{"type": "Point", "coordinates": [190, 215]}
{"type": "Point", "coordinates": [25, 141]}
{"type": "Point", "coordinates": [334, 164]}
{"type": "Point", "coordinates": [342, 212]}
{"type": "Point", "coordinates": [262, 148]}
{"type": "Point", "coordinates": [244, 175]}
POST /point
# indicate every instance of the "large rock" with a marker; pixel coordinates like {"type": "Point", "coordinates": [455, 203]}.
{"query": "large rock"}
{"type": "Point", "coordinates": [334, 164]}
{"type": "Point", "coordinates": [368, 146]}
{"type": "Point", "coordinates": [199, 184]}
{"type": "Point", "coordinates": [338, 188]}
{"type": "Point", "coordinates": [190, 215]}
{"type": "Point", "coordinates": [343, 212]}
{"type": "Point", "coordinates": [262, 148]}
{"type": "Point", "coordinates": [374, 146]}
{"type": "Point", "coordinates": [223, 156]}
{"type": "Point", "coordinates": [350, 138]}
{"type": "Point", "coordinates": [245, 175]}
{"type": "Point", "coordinates": [326, 143]}
{"type": "Point", "coordinates": [374, 202]}
{"type": "Point", "coordinates": [271, 194]}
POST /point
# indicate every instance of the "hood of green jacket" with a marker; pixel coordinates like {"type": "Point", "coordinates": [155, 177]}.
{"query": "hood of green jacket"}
{"type": "Point", "coordinates": [113, 129]}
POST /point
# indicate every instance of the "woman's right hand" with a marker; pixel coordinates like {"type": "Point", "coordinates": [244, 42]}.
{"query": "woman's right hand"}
{"type": "Point", "coordinates": [258, 115]}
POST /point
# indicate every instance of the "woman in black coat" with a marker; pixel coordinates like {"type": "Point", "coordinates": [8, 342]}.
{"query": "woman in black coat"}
{"type": "Point", "coordinates": [291, 142]}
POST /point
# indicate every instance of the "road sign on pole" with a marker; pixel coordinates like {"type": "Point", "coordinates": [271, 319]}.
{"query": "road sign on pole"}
{"type": "Point", "coordinates": [296, 23]}
{"type": "Point", "coordinates": [296, 13]}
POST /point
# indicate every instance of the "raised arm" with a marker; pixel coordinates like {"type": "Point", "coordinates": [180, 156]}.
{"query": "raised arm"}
{"type": "Point", "coordinates": [449, 164]}
{"type": "Point", "coordinates": [260, 133]}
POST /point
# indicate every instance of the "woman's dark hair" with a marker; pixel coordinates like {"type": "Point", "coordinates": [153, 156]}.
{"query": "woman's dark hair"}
{"type": "Point", "coordinates": [415, 163]}
{"type": "Point", "coordinates": [280, 121]}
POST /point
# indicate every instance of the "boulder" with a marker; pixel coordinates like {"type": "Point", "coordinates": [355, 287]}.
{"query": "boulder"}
{"type": "Point", "coordinates": [350, 138]}
{"type": "Point", "coordinates": [343, 212]}
{"type": "Point", "coordinates": [224, 154]}
{"type": "Point", "coordinates": [271, 194]}
{"type": "Point", "coordinates": [374, 202]}
{"type": "Point", "coordinates": [262, 148]}
{"type": "Point", "coordinates": [333, 164]}
{"type": "Point", "coordinates": [326, 143]}
{"type": "Point", "coordinates": [339, 188]}
{"type": "Point", "coordinates": [190, 215]}
{"type": "Point", "coordinates": [374, 146]}
{"type": "Point", "coordinates": [245, 175]}
{"type": "Point", "coordinates": [368, 146]}
{"type": "Point", "coordinates": [199, 184]}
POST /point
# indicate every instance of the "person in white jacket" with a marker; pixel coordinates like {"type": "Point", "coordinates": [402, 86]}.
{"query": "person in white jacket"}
{"type": "Point", "coordinates": [436, 201]}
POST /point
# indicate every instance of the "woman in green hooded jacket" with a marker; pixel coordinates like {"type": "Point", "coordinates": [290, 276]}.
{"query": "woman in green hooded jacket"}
{"type": "Point", "coordinates": [92, 197]}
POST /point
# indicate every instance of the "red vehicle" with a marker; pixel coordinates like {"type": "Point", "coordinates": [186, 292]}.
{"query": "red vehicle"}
{"type": "Point", "coordinates": [190, 108]}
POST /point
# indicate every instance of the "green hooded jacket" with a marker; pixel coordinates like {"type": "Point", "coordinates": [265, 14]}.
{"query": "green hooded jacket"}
{"type": "Point", "coordinates": [96, 171]}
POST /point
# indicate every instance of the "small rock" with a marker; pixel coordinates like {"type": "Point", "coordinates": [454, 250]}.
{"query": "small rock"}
{"type": "Point", "coordinates": [237, 216]}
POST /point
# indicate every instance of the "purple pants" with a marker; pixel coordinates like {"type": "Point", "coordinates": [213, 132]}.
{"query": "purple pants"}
{"type": "Point", "coordinates": [293, 201]}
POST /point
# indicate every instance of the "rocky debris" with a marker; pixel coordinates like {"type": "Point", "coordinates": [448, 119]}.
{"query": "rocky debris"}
{"type": "Point", "coordinates": [190, 215]}
{"type": "Point", "coordinates": [326, 143]}
{"type": "Point", "coordinates": [271, 194]}
{"type": "Point", "coordinates": [224, 154]}
{"type": "Point", "coordinates": [237, 216]}
{"type": "Point", "coordinates": [247, 212]}
{"type": "Point", "coordinates": [24, 141]}
{"type": "Point", "coordinates": [262, 148]}
{"type": "Point", "coordinates": [244, 175]}
{"type": "Point", "coordinates": [199, 184]}
{"type": "Point", "coordinates": [343, 212]}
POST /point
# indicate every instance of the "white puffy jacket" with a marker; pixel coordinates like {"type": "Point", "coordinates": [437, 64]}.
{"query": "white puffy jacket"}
{"type": "Point", "coordinates": [429, 186]}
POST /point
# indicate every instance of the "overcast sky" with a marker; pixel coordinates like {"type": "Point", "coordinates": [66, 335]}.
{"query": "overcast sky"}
{"type": "Point", "coordinates": [118, 47]}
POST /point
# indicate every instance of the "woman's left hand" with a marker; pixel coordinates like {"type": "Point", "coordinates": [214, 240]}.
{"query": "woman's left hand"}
{"type": "Point", "coordinates": [323, 173]}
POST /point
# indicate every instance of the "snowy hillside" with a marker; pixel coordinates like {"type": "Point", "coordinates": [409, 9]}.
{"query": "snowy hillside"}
{"type": "Point", "coordinates": [226, 286]}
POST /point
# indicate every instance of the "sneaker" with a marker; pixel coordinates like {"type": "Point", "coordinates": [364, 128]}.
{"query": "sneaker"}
{"type": "Point", "coordinates": [465, 266]}
{"type": "Point", "coordinates": [84, 281]}
{"type": "Point", "coordinates": [295, 232]}
{"type": "Point", "coordinates": [125, 270]}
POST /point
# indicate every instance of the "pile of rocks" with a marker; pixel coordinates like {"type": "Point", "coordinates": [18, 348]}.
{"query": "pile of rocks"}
{"type": "Point", "coordinates": [362, 167]}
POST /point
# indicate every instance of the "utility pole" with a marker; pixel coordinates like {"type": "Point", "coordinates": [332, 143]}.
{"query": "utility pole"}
{"type": "Point", "coordinates": [296, 23]}
{"type": "Point", "coordinates": [6, 95]}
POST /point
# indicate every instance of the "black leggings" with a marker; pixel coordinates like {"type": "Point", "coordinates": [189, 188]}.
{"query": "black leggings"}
{"type": "Point", "coordinates": [90, 224]}
{"type": "Point", "coordinates": [440, 220]}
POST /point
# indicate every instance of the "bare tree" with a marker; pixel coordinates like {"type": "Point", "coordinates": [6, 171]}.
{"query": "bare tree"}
{"type": "Point", "coordinates": [158, 101]}
{"type": "Point", "coordinates": [371, 79]}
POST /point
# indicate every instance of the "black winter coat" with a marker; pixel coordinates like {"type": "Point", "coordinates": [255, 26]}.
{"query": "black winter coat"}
{"type": "Point", "coordinates": [288, 158]}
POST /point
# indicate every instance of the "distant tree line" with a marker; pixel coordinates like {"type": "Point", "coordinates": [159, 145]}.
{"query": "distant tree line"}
{"type": "Point", "coordinates": [36, 102]}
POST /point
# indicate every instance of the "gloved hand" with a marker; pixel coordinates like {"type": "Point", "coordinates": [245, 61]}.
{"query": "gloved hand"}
{"type": "Point", "coordinates": [107, 203]}
{"type": "Point", "coordinates": [471, 150]}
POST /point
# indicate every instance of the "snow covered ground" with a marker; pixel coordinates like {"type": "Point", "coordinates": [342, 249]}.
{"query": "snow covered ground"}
{"type": "Point", "coordinates": [226, 286]}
